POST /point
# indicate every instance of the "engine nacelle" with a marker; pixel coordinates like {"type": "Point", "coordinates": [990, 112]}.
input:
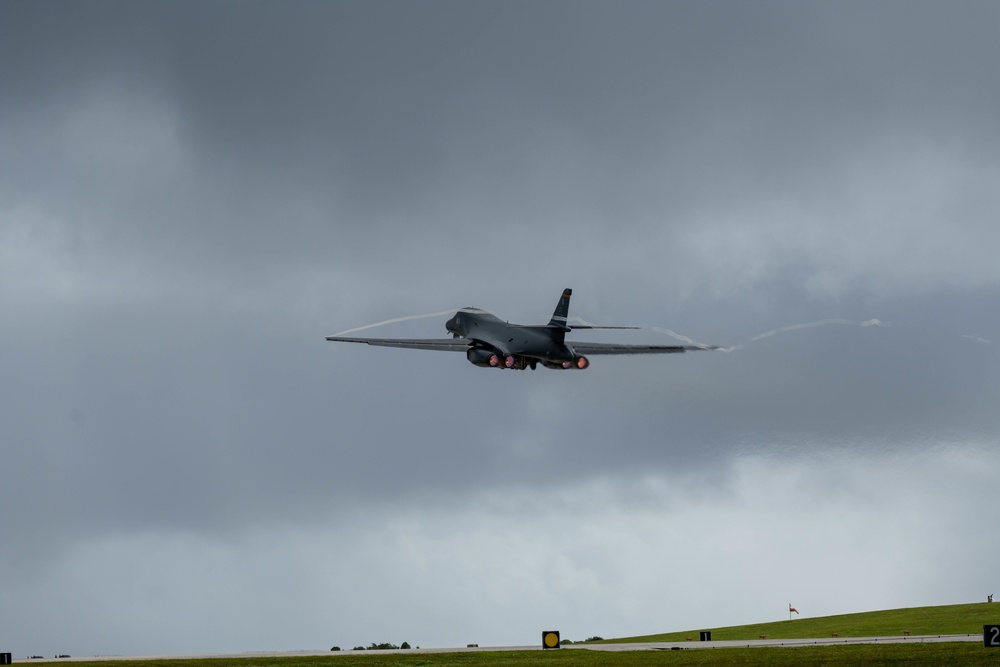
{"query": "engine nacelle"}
{"type": "Point", "coordinates": [483, 357]}
{"type": "Point", "coordinates": [580, 362]}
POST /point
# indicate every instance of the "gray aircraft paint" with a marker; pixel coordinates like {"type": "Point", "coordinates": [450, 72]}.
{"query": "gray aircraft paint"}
{"type": "Point", "coordinates": [488, 341]}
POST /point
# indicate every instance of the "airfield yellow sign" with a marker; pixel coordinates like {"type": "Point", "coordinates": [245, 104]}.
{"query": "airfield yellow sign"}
{"type": "Point", "coordinates": [550, 639]}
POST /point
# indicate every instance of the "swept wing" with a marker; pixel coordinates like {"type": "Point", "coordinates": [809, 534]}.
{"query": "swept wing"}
{"type": "Point", "coordinates": [444, 344]}
{"type": "Point", "coordinates": [615, 348]}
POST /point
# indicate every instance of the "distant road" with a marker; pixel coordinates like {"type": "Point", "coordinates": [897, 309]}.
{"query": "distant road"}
{"type": "Point", "coordinates": [639, 646]}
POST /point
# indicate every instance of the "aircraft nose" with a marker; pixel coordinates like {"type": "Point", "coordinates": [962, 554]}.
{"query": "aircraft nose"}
{"type": "Point", "coordinates": [454, 325]}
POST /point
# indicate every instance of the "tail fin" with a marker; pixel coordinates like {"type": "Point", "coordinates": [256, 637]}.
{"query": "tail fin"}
{"type": "Point", "coordinates": [562, 311]}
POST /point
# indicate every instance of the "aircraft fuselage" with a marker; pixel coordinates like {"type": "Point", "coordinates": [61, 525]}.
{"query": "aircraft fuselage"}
{"type": "Point", "coordinates": [500, 344]}
{"type": "Point", "coordinates": [490, 342]}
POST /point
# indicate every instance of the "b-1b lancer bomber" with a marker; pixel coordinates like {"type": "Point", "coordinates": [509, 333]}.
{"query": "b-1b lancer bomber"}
{"type": "Point", "coordinates": [490, 342]}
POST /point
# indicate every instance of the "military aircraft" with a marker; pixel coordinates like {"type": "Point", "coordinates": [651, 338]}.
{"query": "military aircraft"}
{"type": "Point", "coordinates": [490, 342]}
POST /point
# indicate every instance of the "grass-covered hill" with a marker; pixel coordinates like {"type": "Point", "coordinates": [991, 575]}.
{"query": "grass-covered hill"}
{"type": "Point", "coordinates": [945, 620]}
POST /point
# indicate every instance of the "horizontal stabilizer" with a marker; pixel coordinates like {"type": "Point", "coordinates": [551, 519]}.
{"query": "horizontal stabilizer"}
{"type": "Point", "coordinates": [598, 326]}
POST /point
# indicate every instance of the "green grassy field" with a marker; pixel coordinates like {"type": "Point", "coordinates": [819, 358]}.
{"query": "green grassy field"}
{"type": "Point", "coordinates": [952, 619]}
{"type": "Point", "coordinates": [965, 654]}
{"type": "Point", "coordinates": [946, 620]}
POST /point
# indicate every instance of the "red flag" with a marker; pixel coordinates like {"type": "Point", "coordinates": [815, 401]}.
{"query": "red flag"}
{"type": "Point", "coordinates": [791, 609]}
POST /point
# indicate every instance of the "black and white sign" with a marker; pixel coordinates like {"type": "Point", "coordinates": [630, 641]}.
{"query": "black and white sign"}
{"type": "Point", "coordinates": [991, 636]}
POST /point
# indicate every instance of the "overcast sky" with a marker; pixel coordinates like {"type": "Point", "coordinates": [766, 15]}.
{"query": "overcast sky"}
{"type": "Point", "coordinates": [194, 194]}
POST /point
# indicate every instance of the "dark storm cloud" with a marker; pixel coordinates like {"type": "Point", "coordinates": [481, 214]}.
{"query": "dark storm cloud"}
{"type": "Point", "coordinates": [193, 194]}
{"type": "Point", "coordinates": [375, 117]}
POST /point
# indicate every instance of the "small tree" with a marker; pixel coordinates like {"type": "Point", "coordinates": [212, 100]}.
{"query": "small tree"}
{"type": "Point", "coordinates": [404, 645]}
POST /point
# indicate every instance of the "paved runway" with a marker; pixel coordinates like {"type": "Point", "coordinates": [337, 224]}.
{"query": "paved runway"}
{"type": "Point", "coordinates": [644, 646]}
{"type": "Point", "coordinates": [762, 643]}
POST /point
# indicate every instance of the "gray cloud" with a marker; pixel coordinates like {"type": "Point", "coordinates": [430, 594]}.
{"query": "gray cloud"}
{"type": "Point", "coordinates": [191, 197]}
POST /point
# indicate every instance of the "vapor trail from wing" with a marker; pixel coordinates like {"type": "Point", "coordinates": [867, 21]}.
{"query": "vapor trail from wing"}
{"type": "Point", "coordinates": [399, 319]}
{"type": "Point", "coordinates": [689, 341]}
{"type": "Point", "coordinates": [773, 332]}
{"type": "Point", "coordinates": [874, 322]}
{"type": "Point", "coordinates": [809, 325]}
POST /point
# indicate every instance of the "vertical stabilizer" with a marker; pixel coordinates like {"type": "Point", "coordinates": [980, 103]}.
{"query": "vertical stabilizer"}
{"type": "Point", "coordinates": [562, 311]}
